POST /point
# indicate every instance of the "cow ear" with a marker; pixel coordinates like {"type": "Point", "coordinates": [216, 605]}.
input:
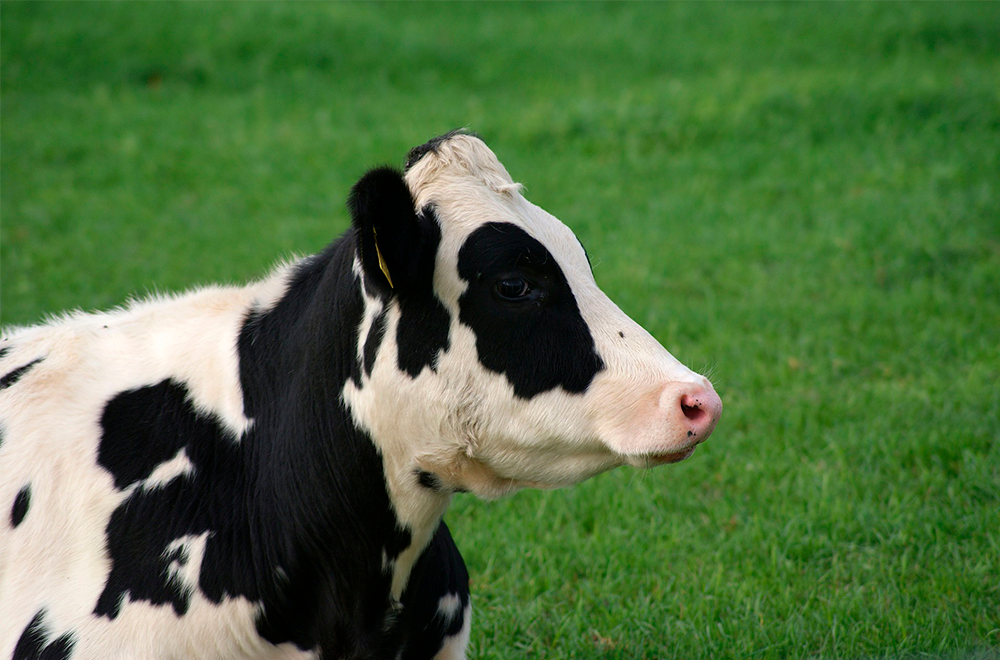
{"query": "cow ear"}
{"type": "Point", "coordinates": [397, 245]}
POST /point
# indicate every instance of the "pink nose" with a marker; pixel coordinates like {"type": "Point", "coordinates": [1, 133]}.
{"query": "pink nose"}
{"type": "Point", "coordinates": [702, 408]}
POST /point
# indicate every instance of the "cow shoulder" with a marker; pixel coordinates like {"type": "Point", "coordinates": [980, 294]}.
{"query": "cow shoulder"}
{"type": "Point", "coordinates": [437, 601]}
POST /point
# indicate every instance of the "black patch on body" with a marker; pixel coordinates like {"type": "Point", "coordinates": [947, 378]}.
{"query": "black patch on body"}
{"type": "Point", "coordinates": [145, 427]}
{"type": "Point", "coordinates": [141, 429]}
{"type": "Point", "coordinates": [31, 645]}
{"type": "Point", "coordinates": [21, 504]}
{"type": "Point", "coordinates": [540, 343]}
{"type": "Point", "coordinates": [439, 572]}
{"type": "Point", "coordinates": [428, 480]}
{"type": "Point", "coordinates": [4, 351]}
{"type": "Point", "coordinates": [329, 514]}
{"type": "Point", "coordinates": [15, 375]}
{"type": "Point", "coordinates": [296, 510]}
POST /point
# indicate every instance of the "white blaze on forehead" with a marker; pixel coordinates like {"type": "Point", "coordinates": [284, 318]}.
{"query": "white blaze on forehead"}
{"type": "Point", "coordinates": [460, 157]}
{"type": "Point", "coordinates": [468, 187]}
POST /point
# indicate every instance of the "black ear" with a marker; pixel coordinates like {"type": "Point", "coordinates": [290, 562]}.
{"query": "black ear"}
{"type": "Point", "coordinates": [397, 244]}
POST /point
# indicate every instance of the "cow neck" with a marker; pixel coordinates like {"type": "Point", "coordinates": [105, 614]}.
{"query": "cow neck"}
{"type": "Point", "coordinates": [322, 506]}
{"type": "Point", "coordinates": [419, 501]}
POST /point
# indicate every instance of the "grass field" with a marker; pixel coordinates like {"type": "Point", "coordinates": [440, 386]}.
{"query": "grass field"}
{"type": "Point", "coordinates": [803, 199]}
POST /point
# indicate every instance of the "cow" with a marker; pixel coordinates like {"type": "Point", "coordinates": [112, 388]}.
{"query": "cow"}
{"type": "Point", "coordinates": [261, 471]}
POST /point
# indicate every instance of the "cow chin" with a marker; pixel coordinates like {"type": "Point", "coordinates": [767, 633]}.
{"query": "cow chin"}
{"type": "Point", "coordinates": [655, 460]}
{"type": "Point", "coordinates": [494, 474]}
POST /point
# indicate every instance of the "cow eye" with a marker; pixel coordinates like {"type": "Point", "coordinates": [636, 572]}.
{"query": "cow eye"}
{"type": "Point", "coordinates": [513, 288]}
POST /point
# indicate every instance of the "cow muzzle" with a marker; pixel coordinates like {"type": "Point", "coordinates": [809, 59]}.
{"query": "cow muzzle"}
{"type": "Point", "coordinates": [661, 425]}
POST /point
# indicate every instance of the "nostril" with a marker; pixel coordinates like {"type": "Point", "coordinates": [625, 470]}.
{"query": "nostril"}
{"type": "Point", "coordinates": [692, 412]}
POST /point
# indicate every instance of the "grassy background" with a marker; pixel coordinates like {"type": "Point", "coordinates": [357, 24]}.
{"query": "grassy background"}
{"type": "Point", "coordinates": [802, 198]}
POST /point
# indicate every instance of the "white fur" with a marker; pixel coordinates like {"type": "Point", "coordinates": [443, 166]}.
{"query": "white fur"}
{"type": "Point", "coordinates": [449, 605]}
{"type": "Point", "coordinates": [455, 646]}
{"type": "Point", "coordinates": [180, 465]}
{"type": "Point", "coordinates": [186, 573]}
{"type": "Point", "coordinates": [51, 424]}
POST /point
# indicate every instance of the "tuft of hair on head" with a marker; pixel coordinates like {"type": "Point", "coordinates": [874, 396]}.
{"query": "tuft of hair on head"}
{"type": "Point", "coordinates": [460, 151]}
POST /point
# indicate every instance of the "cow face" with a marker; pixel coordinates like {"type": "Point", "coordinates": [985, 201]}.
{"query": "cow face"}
{"type": "Point", "coordinates": [491, 358]}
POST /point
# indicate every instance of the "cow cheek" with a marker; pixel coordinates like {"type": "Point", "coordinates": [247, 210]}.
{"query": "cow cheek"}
{"type": "Point", "coordinates": [633, 420]}
{"type": "Point", "coordinates": [547, 442]}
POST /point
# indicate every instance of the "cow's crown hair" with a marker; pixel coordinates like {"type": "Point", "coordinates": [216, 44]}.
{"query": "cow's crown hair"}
{"type": "Point", "coordinates": [460, 153]}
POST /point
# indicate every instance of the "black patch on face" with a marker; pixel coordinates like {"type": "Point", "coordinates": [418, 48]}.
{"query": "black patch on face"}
{"type": "Point", "coordinates": [16, 374]}
{"type": "Point", "coordinates": [3, 351]}
{"type": "Point", "coordinates": [416, 153]}
{"type": "Point", "coordinates": [538, 341]}
{"type": "Point", "coordinates": [31, 645]}
{"type": "Point", "coordinates": [424, 323]}
{"type": "Point", "coordinates": [21, 504]}
{"type": "Point", "coordinates": [439, 572]}
{"type": "Point", "coordinates": [375, 335]}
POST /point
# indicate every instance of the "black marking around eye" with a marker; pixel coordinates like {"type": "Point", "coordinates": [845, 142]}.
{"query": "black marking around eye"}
{"type": "Point", "coordinates": [17, 374]}
{"type": "Point", "coordinates": [540, 345]}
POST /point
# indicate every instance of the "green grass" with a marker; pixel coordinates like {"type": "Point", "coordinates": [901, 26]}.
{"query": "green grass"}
{"type": "Point", "coordinates": [802, 198]}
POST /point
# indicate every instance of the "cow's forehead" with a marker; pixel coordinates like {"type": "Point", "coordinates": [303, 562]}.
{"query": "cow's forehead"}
{"type": "Point", "coordinates": [462, 179]}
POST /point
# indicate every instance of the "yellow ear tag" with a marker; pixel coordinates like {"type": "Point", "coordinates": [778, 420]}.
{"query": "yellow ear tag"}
{"type": "Point", "coordinates": [381, 261]}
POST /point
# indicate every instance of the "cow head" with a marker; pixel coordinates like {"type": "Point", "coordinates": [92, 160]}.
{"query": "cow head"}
{"type": "Point", "coordinates": [491, 359]}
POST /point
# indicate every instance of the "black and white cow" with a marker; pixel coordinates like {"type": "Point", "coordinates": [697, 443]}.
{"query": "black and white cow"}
{"type": "Point", "coordinates": [261, 471]}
